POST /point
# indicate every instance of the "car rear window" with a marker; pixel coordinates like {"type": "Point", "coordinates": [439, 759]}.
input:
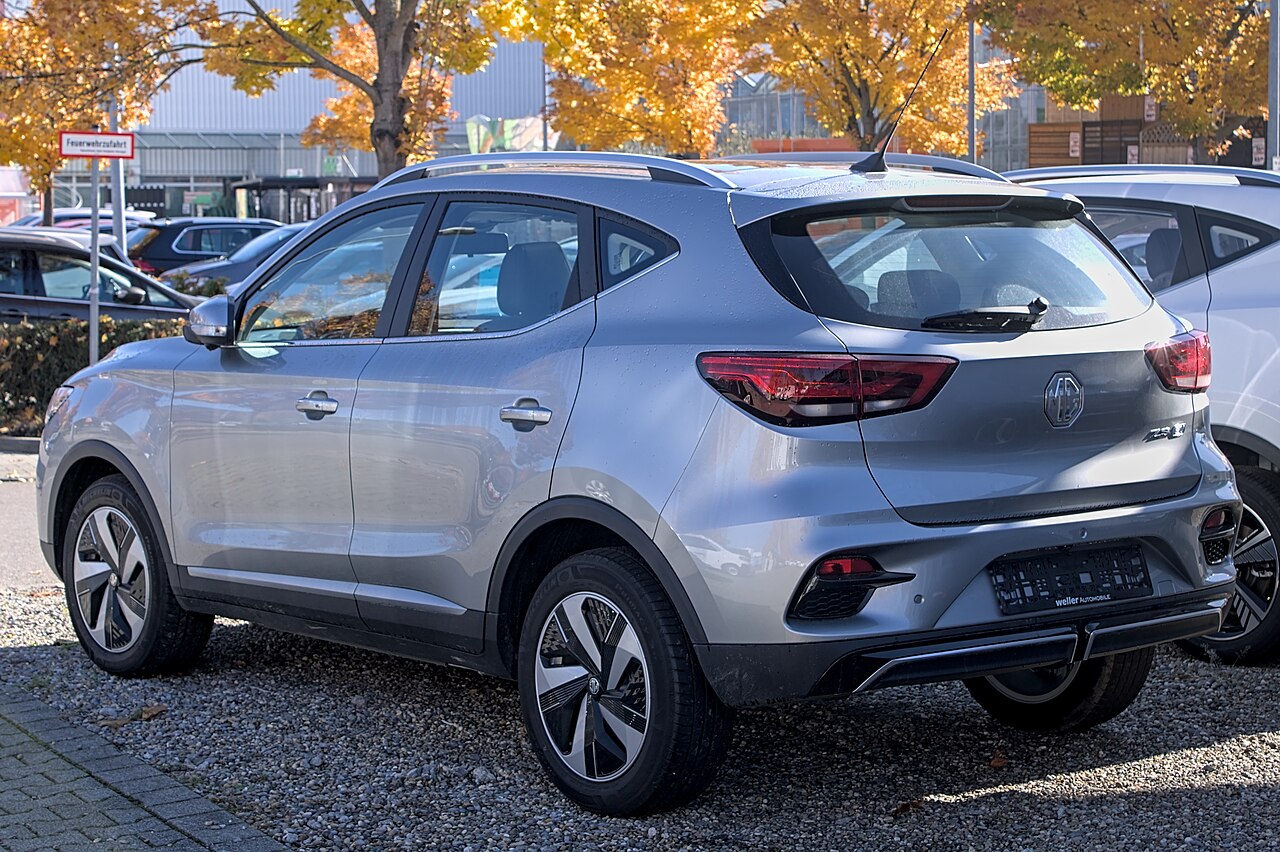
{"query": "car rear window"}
{"type": "Point", "coordinates": [895, 269]}
{"type": "Point", "coordinates": [139, 238]}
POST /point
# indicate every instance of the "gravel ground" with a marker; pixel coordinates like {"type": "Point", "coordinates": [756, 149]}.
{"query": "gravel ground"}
{"type": "Point", "coordinates": [328, 747]}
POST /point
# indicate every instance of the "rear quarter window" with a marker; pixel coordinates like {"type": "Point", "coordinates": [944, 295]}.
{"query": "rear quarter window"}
{"type": "Point", "coordinates": [1227, 238]}
{"type": "Point", "coordinates": [896, 269]}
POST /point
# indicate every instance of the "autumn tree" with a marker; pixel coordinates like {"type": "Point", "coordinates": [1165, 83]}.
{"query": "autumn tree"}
{"type": "Point", "coordinates": [392, 61]}
{"type": "Point", "coordinates": [856, 60]}
{"type": "Point", "coordinates": [1203, 60]}
{"type": "Point", "coordinates": [635, 71]}
{"type": "Point", "coordinates": [59, 60]}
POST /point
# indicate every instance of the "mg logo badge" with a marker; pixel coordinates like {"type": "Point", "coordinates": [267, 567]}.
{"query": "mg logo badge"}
{"type": "Point", "coordinates": [1063, 400]}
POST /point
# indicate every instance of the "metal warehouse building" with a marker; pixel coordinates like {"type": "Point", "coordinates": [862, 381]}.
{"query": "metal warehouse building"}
{"type": "Point", "coordinates": [205, 140]}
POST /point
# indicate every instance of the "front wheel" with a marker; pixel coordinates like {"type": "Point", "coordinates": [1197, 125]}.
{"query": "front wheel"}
{"type": "Point", "coordinates": [617, 710]}
{"type": "Point", "coordinates": [123, 611]}
{"type": "Point", "coordinates": [1065, 698]}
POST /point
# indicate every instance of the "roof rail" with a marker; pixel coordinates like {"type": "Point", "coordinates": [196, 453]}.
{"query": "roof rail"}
{"type": "Point", "coordinates": [1246, 177]}
{"type": "Point", "coordinates": [658, 168]}
{"type": "Point", "coordinates": [946, 165]}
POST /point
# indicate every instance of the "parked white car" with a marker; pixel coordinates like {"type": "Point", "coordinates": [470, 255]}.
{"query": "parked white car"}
{"type": "Point", "coordinates": [1210, 251]}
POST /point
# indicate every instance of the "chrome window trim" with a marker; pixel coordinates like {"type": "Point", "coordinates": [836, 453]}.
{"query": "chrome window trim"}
{"type": "Point", "coordinates": [625, 281]}
{"type": "Point", "coordinates": [266, 229]}
{"type": "Point", "coordinates": [489, 335]}
{"type": "Point", "coordinates": [277, 344]}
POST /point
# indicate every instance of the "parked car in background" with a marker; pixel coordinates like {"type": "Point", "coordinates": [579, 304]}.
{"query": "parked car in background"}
{"type": "Point", "coordinates": [64, 214]}
{"type": "Point", "coordinates": [1206, 241]}
{"type": "Point", "coordinates": [106, 226]}
{"type": "Point", "coordinates": [107, 245]}
{"type": "Point", "coordinates": [225, 272]}
{"type": "Point", "coordinates": [45, 275]}
{"type": "Point", "coordinates": [163, 244]}
{"type": "Point", "coordinates": [942, 429]}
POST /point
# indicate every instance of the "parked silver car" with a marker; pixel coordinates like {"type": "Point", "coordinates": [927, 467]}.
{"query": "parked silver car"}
{"type": "Point", "coordinates": [943, 429]}
{"type": "Point", "coordinates": [1206, 240]}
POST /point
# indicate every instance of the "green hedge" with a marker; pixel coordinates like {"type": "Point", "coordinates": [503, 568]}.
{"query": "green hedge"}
{"type": "Point", "coordinates": [36, 358]}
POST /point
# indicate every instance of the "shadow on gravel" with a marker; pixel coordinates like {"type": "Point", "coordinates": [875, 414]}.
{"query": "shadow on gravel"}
{"type": "Point", "coordinates": [318, 743]}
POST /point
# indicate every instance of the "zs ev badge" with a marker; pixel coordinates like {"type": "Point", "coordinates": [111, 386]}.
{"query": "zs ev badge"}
{"type": "Point", "coordinates": [1063, 400]}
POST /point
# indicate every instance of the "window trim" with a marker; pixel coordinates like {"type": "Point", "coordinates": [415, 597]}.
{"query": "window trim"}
{"type": "Point", "coordinates": [1192, 250]}
{"type": "Point", "coordinates": [265, 274]}
{"type": "Point", "coordinates": [173, 246]}
{"type": "Point", "coordinates": [588, 275]}
{"type": "Point", "coordinates": [1207, 218]}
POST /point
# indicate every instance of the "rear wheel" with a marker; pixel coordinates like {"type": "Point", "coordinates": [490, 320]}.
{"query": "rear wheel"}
{"type": "Point", "coordinates": [615, 705]}
{"type": "Point", "coordinates": [1065, 698]}
{"type": "Point", "coordinates": [1251, 628]}
{"type": "Point", "coordinates": [123, 611]}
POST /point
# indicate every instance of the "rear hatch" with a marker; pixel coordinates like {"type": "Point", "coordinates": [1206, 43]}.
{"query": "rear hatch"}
{"type": "Point", "coordinates": [1055, 404]}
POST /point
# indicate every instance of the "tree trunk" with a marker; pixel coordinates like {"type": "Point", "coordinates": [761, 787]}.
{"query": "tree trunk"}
{"type": "Point", "coordinates": [46, 214]}
{"type": "Point", "coordinates": [393, 37]}
{"type": "Point", "coordinates": [385, 134]}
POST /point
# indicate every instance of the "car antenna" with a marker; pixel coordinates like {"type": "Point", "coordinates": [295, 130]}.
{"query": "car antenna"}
{"type": "Point", "coordinates": [875, 161]}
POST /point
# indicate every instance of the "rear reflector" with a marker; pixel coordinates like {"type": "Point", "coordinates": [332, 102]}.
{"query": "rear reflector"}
{"type": "Point", "coordinates": [807, 390]}
{"type": "Point", "coordinates": [845, 566]}
{"type": "Point", "coordinates": [1183, 363]}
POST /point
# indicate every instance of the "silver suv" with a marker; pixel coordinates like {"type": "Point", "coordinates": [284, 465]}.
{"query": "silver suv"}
{"type": "Point", "coordinates": [660, 439]}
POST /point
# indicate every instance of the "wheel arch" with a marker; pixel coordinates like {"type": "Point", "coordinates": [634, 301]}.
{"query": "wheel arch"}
{"type": "Point", "coordinates": [545, 536]}
{"type": "Point", "coordinates": [1245, 449]}
{"type": "Point", "coordinates": [85, 464]}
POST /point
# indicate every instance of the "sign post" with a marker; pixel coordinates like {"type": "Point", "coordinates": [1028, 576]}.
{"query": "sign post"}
{"type": "Point", "coordinates": [94, 145]}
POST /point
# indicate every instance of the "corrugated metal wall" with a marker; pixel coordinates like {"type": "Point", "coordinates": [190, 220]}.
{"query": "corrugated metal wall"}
{"type": "Point", "coordinates": [512, 85]}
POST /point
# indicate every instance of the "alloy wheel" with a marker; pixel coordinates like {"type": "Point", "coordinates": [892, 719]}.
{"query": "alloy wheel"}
{"type": "Point", "coordinates": [112, 579]}
{"type": "Point", "coordinates": [592, 682]}
{"type": "Point", "coordinates": [1035, 686]}
{"type": "Point", "coordinates": [1255, 558]}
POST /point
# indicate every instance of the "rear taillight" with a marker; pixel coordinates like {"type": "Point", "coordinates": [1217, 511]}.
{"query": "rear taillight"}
{"type": "Point", "coordinates": [1183, 363]}
{"type": "Point", "coordinates": [807, 390]}
{"type": "Point", "coordinates": [143, 266]}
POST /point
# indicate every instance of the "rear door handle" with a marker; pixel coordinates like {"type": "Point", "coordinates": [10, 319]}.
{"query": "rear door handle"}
{"type": "Point", "coordinates": [525, 415]}
{"type": "Point", "coordinates": [316, 405]}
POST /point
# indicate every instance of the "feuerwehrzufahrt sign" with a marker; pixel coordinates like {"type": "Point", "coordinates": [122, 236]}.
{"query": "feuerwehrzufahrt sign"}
{"type": "Point", "coordinates": [84, 143]}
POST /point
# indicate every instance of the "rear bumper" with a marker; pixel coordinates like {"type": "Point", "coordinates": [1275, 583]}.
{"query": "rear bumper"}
{"type": "Point", "coordinates": [746, 675]}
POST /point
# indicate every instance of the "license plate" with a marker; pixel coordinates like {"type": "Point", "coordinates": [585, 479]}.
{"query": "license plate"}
{"type": "Point", "coordinates": [1062, 578]}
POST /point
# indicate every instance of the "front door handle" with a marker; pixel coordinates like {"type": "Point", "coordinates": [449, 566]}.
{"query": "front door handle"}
{"type": "Point", "coordinates": [525, 415]}
{"type": "Point", "coordinates": [317, 404]}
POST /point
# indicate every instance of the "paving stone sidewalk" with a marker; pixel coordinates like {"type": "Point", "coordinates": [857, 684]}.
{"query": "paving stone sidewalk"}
{"type": "Point", "coordinates": [65, 787]}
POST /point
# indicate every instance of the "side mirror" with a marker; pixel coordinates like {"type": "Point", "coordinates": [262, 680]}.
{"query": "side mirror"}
{"type": "Point", "coordinates": [131, 295]}
{"type": "Point", "coordinates": [209, 323]}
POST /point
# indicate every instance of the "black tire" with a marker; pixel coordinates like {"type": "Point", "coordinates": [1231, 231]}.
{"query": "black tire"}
{"type": "Point", "coordinates": [1248, 637]}
{"type": "Point", "coordinates": [1069, 698]}
{"type": "Point", "coordinates": [168, 638]}
{"type": "Point", "coordinates": [686, 729]}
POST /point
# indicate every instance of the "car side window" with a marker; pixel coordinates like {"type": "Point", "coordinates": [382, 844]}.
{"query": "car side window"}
{"type": "Point", "coordinates": [496, 266]}
{"type": "Point", "coordinates": [211, 239]}
{"type": "Point", "coordinates": [1151, 240]}
{"type": "Point", "coordinates": [158, 299]}
{"type": "Point", "coordinates": [11, 277]}
{"type": "Point", "coordinates": [64, 277]}
{"type": "Point", "coordinates": [335, 286]}
{"type": "Point", "coordinates": [1227, 238]}
{"type": "Point", "coordinates": [627, 249]}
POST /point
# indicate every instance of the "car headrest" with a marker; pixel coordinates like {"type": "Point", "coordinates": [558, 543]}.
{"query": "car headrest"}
{"type": "Point", "coordinates": [532, 280]}
{"type": "Point", "coordinates": [1164, 245]}
{"type": "Point", "coordinates": [917, 292]}
{"type": "Point", "coordinates": [486, 243]}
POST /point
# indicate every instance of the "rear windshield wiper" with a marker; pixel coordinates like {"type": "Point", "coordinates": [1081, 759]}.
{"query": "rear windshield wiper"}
{"type": "Point", "coordinates": [1003, 318]}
